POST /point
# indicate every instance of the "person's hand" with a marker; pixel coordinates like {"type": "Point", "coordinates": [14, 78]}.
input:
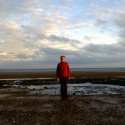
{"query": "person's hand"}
{"type": "Point", "coordinates": [69, 78]}
{"type": "Point", "coordinates": [58, 79]}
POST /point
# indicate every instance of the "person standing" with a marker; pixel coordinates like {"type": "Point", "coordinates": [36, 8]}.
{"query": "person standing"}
{"type": "Point", "coordinates": [63, 75]}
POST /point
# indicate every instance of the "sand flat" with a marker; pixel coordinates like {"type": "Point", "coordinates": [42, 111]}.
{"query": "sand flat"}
{"type": "Point", "coordinates": [20, 108]}
{"type": "Point", "coordinates": [51, 74]}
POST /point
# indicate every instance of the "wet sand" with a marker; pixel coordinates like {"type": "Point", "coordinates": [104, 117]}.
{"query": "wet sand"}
{"type": "Point", "coordinates": [17, 107]}
{"type": "Point", "coordinates": [77, 74]}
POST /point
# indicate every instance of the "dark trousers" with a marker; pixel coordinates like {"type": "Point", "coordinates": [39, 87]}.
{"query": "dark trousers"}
{"type": "Point", "coordinates": [63, 82]}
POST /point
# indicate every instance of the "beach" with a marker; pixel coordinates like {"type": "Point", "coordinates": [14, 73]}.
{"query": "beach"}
{"type": "Point", "coordinates": [17, 107]}
{"type": "Point", "coordinates": [95, 98]}
{"type": "Point", "coordinates": [52, 74]}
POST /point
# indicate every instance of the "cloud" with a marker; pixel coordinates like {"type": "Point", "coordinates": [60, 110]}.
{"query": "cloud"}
{"type": "Point", "coordinates": [90, 38]}
{"type": "Point", "coordinates": [2, 41]}
{"type": "Point", "coordinates": [9, 26]}
{"type": "Point", "coordinates": [3, 54]}
{"type": "Point", "coordinates": [107, 50]}
{"type": "Point", "coordinates": [18, 7]}
{"type": "Point", "coordinates": [101, 22]}
{"type": "Point", "coordinates": [123, 0]}
{"type": "Point", "coordinates": [27, 41]}
{"type": "Point", "coordinates": [22, 56]}
{"type": "Point", "coordinates": [120, 26]}
{"type": "Point", "coordinates": [120, 23]}
{"type": "Point", "coordinates": [37, 32]}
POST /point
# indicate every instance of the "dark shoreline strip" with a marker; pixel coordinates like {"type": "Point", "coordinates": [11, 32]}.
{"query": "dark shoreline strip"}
{"type": "Point", "coordinates": [76, 74]}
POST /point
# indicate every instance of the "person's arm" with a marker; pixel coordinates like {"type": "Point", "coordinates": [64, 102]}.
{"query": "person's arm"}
{"type": "Point", "coordinates": [68, 71]}
{"type": "Point", "coordinates": [57, 72]}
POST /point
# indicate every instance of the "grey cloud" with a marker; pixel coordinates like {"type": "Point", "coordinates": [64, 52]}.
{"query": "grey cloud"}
{"type": "Point", "coordinates": [120, 25]}
{"type": "Point", "coordinates": [64, 40]}
{"type": "Point", "coordinates": [105, 53]}
{"type": "Point", "coordinates": [34, 34]}
{"type": "Point", "coordinates": [52, 54]}
{"type": "Point", "coordinates": [104, 25]}
{"type": "Point", "coordinates": [16, 6]}
{"type": "Point", "coordinates": [22, 56]}
{"type": "Point", "coordinates": [101, 22]}
{"type": "Point", "coordinates": [89, 38]}
{"type": "Point", "coordinates": [25, 64]}
{"type": "Point", "coordinates": [90, 55]}
{"type": "Point", "coordinates": [119, 20]}
{"type": "Point", "coordinates": [105, 49]}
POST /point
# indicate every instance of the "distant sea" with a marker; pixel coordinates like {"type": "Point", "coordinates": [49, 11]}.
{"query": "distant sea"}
{"type": "Point", "coordinates": [72, 69]}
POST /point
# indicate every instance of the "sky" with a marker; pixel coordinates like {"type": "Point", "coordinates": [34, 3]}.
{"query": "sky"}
{"type": "Point", "coordinates": [35, 33]}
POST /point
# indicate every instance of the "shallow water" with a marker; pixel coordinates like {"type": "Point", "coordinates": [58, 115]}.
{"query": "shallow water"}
{"type": "Point", "coordinates": [77, 89]}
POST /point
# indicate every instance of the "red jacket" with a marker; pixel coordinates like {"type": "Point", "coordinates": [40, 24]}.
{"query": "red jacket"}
{"type": "Point", "coordinates": [63, 70]}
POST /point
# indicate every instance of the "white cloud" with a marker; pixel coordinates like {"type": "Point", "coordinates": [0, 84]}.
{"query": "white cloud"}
{"type": "Point", "coordinates": [2, 41]}
{"type": "Point", "coordinates": [11, 26]}
{"type": "Point", "coordinates": [3, 54]}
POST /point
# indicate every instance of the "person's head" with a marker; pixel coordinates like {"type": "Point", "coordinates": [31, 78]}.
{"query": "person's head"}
{"type": "Point", "coordinates": [62, 58]}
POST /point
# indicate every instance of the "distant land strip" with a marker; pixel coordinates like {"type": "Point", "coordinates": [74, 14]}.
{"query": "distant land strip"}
{"type": "Point", "coordinates": [52, 74]}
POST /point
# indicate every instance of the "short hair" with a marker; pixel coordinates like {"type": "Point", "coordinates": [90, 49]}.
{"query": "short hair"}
{"type": "Point", "coordinates": [62, 56]}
